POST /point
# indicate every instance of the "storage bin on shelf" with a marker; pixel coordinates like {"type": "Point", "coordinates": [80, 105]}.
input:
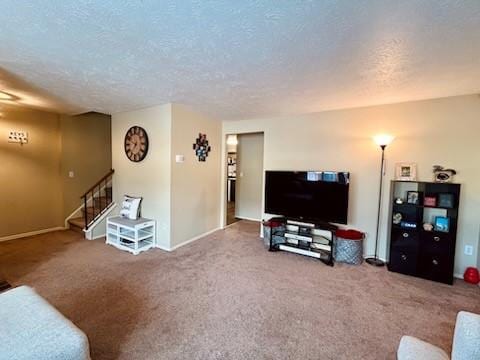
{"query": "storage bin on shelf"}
{"type": "Point", "coordinates": [349, 246]}
{"type": "Point", "coordinates": [277, 225]}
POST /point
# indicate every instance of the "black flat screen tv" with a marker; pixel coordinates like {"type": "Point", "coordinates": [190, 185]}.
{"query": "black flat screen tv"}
{"type": "Point", "coordinates": [312, 196]}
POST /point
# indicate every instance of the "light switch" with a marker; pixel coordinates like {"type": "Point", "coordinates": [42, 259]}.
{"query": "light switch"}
{"type": "Point", "coordinates": [71, 174]}
{"type": "Point", "coordinates": [179, 158]}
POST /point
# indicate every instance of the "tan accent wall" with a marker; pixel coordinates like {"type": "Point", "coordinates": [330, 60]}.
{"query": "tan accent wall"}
{"type": "Point", "coordinates": [182, 197]}
{"type": "Point", "coordinates": [149, 178]}
{"type": "Point", "coordinates": [87, 151]}
{"type": "Point", "coordinates": [195, 184]}
{"type": "Point", "coordinates": [30, 182]}
{"type": "Point", "coordinates": [35, 189]}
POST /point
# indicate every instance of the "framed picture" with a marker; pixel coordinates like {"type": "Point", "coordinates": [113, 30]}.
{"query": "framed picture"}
{"type": "Point", "coordinates": [446, 200]}
{"type": "Point", "coordinates": [430, 201]}
{"type": "Point", "coordinates": [413, 197]}
{"type": "Point", "coordinates": [406, 171]}
{"type": "Point", "coordinates": [442, 223]}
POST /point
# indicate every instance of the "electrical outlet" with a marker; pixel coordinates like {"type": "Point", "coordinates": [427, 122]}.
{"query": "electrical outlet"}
{"type": "Point", "coordinates": [468, 250]}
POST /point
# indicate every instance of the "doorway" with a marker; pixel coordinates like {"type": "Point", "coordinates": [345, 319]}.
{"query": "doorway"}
{"type": "Point", "coordinates": [244, 177]}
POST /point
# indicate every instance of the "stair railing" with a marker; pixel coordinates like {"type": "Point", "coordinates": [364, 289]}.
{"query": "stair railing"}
{"type": "Point", "coordinates": [93, 197]}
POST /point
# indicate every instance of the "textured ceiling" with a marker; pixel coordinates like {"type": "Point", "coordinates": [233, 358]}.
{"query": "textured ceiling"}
{"type": "Point", "coordinates": [237, 59]}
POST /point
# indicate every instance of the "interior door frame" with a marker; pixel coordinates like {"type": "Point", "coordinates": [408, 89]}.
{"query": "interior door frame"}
{"type": "Point", "coordinates": [224, 174]}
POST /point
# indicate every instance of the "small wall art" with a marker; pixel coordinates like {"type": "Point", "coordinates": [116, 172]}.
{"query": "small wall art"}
{"type": "Point", "coordinates": [201, 147]}
{"type": "Point", "coordinates": [406, 171]}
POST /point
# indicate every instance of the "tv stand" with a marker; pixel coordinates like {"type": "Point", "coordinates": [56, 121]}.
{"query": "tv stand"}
{"type": "Point", "coordinates": [309, 239]}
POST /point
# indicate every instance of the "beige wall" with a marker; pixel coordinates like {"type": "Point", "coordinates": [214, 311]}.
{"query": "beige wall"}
{"type": "Point", "coordinates": [87, 151]}
{"type": "Point", "coordinates": [249, 184]}
{"type": "Point", "coordinates": [35, 189]}
{"type": "Point", "coordinates": [183, 197]}
{"type": "Point", "coordinates": [30, 182]}
{"type": "Point", "coordinates": [195, 184]}
{"type": "Point", "coordinates": [442, 131]}
{"type": "Point", "coordinates": [149, 178]}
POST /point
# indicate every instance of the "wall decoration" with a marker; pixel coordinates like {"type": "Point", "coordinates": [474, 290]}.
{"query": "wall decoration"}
{"type": "Point", "coordinates": [406, 172]}
{"type": "Point", "coordinates": [442, 175]}
{"type": "Point", "coordinates": [201, 147]}
{"type": "Point", "coordinates": [136, 143]}
{"type": "Point", "coordinates": [18, 136]}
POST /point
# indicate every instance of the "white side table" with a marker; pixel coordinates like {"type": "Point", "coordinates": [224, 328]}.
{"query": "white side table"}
{"type": "Point", "coordinates": [133, 236]}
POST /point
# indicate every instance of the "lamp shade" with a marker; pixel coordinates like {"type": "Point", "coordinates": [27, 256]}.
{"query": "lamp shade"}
{"type": "Point", "coordinates": [383, 139]}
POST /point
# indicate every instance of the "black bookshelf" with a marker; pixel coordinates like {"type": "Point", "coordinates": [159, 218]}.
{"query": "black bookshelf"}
{"type": "Point", "coordinates": [414, 250]}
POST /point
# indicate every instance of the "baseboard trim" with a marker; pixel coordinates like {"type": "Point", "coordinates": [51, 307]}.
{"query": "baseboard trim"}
{"type": "Point", "coordinates": [188, 241]}
{"type": "Point", "coordinates": [164, 248]}
{"type": "Point", "coordinates": [98, 237]}
{"type": "Point", "coordinates": [248, 218]}
{"type": "Point", "coordinates": [31, 233]}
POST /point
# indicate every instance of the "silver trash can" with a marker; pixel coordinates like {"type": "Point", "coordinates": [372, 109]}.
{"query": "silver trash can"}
{"type": "Point", "coordinates": [278, 228]}
{"type": "Point", "coordinates": [349, 246]}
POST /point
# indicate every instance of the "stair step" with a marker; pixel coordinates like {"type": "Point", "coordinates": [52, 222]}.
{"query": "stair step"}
{"type": "Point", "coordinates": [77, 224]}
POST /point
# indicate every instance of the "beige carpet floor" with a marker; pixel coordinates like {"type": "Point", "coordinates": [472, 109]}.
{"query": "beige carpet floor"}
{"type": "Point", "coordinates": [226, 297]}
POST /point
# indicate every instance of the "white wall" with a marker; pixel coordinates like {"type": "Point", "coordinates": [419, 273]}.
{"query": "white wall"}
{"type": "Point", "coordinates": [149, 178]}
{"type": "Point", "coordinates": [194, 184]}
{"type": "Point", "coordinates": [442, 131]}
{"type": "Point", "coordinates": [249, 184]}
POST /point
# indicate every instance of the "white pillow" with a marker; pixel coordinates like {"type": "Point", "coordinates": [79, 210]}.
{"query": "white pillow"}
{"type": "Point", "coordinates": [131, 207]}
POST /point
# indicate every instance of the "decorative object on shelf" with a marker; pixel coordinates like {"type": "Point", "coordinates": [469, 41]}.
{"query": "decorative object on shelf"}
{"type": "Point", "coordinates": [446, 200]}
{"type": "Point", "coordinates": [201, 147]}
{"type": "Point", "coordinates": [406, 171]}
{"type": "Point", "coordinates": [471, 275]}
{"type": "Point", "coordinates": [382, 141]}
{"type": "Point", "coordinates": [408, 225]}
{"type": "Point", "coordinates": [428, 227]}
{"type": "Point", "coordinates": [442, 224]}
{"type": "Point", "coordinates": [136, 143]}
{"type": "Point", "coordinates": [131, 207]}
{"type": "Point", "coordinates": [442, 175]}
{"type": "Point", "coordinates": [397, 218]}
{"type": "Point", "coordinates": [413, 197]}
{"type": "Point", "coordinates": [430, 201]}
{"type": "Point", "coordinates": [399, 201]}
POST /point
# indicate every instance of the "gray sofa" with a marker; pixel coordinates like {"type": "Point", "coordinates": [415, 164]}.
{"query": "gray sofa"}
{"type": "Point", "coordinates": [30, 328]}
{"type": "Point", "coordinates": [466, 342]}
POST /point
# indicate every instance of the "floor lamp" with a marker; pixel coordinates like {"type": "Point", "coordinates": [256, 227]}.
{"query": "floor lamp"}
{"type": "Point", "coordinates": [382, 141]}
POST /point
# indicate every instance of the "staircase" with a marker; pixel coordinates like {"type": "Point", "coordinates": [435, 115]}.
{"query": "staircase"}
{"type": "Point", "coordinates": [96, 201]}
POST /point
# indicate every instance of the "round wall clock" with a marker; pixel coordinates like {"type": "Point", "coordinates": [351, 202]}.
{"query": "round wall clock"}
{"type": "Point", "coordinates": [136, 143]}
